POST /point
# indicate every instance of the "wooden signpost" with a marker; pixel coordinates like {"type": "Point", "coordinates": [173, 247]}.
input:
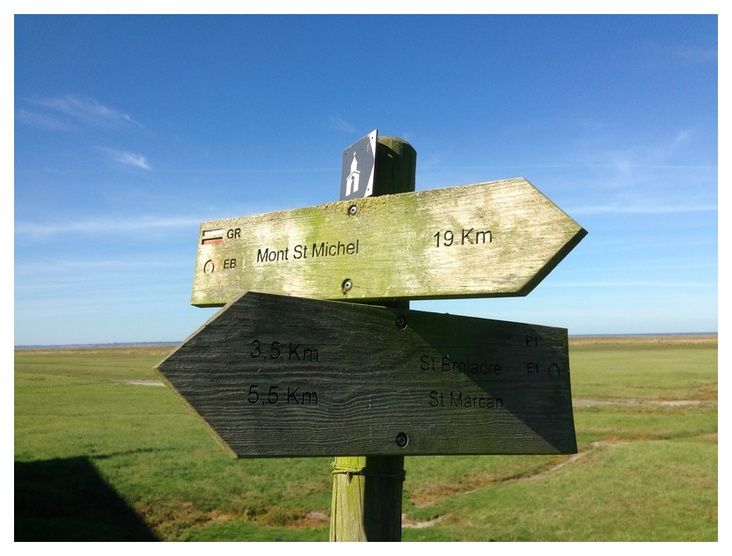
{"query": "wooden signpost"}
{"type": "Point", "coordinates": [286, 368]}
{"type": "Point", "coordinates": [484, 240]}
{"type": "Point", "coordinates": [286, 376]}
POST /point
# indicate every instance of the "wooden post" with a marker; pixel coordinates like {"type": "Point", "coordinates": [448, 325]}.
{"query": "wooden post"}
{"type": "Point", "coordinates": [367, 491]}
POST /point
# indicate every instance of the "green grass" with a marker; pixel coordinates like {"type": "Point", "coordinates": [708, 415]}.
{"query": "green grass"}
{"type": "Point", "coordinates": [98, 457]}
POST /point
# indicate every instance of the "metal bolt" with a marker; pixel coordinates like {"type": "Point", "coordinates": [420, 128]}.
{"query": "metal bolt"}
{"type": "Point", "coordinates": [346, 285]}
{"type": "Point", "coordinates": [353, 209]}
{"type": "Point", "coordinates": [402, 439]}
{"type": "Point", "coordinates": [401, 323]}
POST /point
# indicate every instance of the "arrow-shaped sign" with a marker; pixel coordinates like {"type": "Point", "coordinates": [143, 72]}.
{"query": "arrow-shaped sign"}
{"type": "Point", "coordinates": [283, 376]}
{"type": "Point", "coordinates": [485, 240]}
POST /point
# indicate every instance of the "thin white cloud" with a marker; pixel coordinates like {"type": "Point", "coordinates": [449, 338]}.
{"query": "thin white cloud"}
{"type": "Point", "coordinates": [339, 123]}
{"type": "Point", "coordinates": [76, 268]}
{"type": "Point", "coordinates": [629, 284]}
{"type": "Point", "coordinates": [127, 158]}
{"type": "Point", "coordinates": [663, 154]}
{"type": "Point", "coordinates": [87, 111]}
{"type": "Point", "coordinates": [104, 226]}
{"type": "Point", "coordinates": [650, 208]}
{"type": "Point", "coordinates": [696, 54]}
{"type": "Point", "coordinates": [40, 121]}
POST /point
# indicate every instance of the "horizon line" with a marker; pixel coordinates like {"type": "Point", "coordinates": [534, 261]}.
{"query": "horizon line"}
{"type": "Point", "coordinates": [175, 343]}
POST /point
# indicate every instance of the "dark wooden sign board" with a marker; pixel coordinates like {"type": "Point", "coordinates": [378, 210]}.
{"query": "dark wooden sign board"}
{"type": "Point", "coordinates": [283, 376]}
{"type": "Point", "coordinates": [484, 240]}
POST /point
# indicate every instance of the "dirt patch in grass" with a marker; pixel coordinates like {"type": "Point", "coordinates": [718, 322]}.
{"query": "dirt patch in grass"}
{"type": "Point", "coordinates": [312, 520]}
{"type": "Point", "coordinates": [582, 403]}
{"type": "Point", "coordinates": [413, 524]}
{"type": "Point", "coordinates": [143, 382]}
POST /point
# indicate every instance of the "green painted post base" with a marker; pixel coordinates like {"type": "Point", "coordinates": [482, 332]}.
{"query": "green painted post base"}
{"type": "Point", "coordinates": [367, 491]}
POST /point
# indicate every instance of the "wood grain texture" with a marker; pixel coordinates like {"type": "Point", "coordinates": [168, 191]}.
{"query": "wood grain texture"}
{"type": "Point", "coordinates": [368, 490]}
{"type": "Point", "coordinates": [284, 376]}
{"type": "Point", "coordinates": [491, 239]}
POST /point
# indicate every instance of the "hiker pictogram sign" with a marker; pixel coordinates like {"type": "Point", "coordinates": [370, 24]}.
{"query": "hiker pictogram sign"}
{"type": "Point", "coordinates": [359, 163]}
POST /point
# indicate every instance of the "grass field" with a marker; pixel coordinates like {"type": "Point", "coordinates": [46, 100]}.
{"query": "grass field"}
{"type": "Point", "coordinates": [104, 452]}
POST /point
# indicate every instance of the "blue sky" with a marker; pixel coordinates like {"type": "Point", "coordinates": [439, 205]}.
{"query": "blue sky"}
{"type": "Point", "coordinates": [129, 131]}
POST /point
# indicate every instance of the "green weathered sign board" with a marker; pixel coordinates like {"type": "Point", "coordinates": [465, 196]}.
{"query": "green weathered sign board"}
{"type": "Point", "coordinates": [278, 376]}
{"type": "Point", "coordinates": [490, 239]}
